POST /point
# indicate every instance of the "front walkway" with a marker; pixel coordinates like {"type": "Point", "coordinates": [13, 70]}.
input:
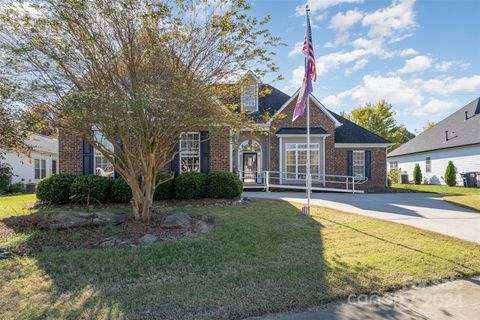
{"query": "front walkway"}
{"type": "Point", "coordinates": [422, 210]}
{"type": "Point", "coordinates": [451, 300]}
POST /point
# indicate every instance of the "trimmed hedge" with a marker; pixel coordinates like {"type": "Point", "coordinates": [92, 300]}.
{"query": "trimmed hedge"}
{"type": "Point", "coordinates": [223, 184]}
{"type": "Point", "coordinates": [451, 175]}
{"type": "Point", "coordinates": [164, 190]}
{"type": "Point", "coordinates": [56, 188]}
{"type": "Point", "coordinates": [91, 188]}
{"type": "Point", "coordinates": [417, 174]}
{"type": "Point", "coordinates": [121, 191]}
{"type": "Point", "coordinates": [190, 185]}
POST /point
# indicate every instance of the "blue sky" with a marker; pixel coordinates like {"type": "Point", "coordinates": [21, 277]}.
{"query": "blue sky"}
{"type": "Point", "coordinates": [421, 56]}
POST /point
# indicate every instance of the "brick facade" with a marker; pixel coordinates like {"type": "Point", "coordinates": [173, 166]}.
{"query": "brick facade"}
{"type": "Point", "coordinates": [70, 150]}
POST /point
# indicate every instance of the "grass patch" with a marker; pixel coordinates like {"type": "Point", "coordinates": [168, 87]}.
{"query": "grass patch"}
{"type": "Point", "coordinates": [261, 257]}
{"type": "Point", "coordinates": [437, 189]}
{"type": "Point", "coordinates": [17, 205]}
{"type": "Point", "coordinates": [467, 201]}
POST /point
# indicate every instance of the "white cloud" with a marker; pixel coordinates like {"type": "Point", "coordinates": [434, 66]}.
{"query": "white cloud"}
{"type": "Point", "coordinates": [436, 107]}
{"type": "Point", "coordinates": [297, 49]}
{"type": "Point", "coordinates": [408, 52]}
{"type": "Point", "coordinates": [418, 63]}
{"type": "Point", "coordinates": [444, 66]}
{"type": "Point", "coordinates": [316, 5]}
{"type": "Point", "coordinates": [296, 80]}
{"type": "Point", "coordinates": [359, 64]}
{"type": "Point", "coordinates": [411, 94]}
{"type": "Point", "coordinates": [391, 22]}
{"type": "Point", "coordinates": [341, 22]}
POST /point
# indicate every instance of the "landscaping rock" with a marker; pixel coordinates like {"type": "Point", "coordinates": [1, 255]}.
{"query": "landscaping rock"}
{"type": "Point", "coordinates": [75, 219]}
{"type": "Point", "coordinates": [147, 239]}
{"type": "Point", "coordinates": [201, 227]}
{"type": "Point", "coordinates": [177, 220]}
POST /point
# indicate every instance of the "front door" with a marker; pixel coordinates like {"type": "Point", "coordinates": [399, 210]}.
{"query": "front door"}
{"type": "Point", "coordinates": [249, 167]}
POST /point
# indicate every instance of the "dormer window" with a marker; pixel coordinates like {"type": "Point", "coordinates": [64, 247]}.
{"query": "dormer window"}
{"type": "Point", "coordinates": [250, 97]}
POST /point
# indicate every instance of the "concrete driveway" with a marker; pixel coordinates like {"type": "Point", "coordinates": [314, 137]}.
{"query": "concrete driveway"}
{"type": "Point", "coordinates": [422, 210]}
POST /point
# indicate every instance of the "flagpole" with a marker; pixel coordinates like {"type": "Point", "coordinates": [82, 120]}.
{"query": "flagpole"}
{"type": "Point", "coordinates": [309, 178]}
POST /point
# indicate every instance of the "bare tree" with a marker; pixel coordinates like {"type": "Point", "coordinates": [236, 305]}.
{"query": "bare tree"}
{"type": "Point", "coordinates": [138, 71]}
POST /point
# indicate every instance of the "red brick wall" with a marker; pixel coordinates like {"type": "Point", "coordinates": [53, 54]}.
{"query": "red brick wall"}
{"type": "Point", "coordinates": [317, 119]}
{"type": "Point", "coordinates": [379, 168]}
{"type": "Point", "coordinates": [70, 151]}
{"type": "Point", "coordinates": [220, 149]}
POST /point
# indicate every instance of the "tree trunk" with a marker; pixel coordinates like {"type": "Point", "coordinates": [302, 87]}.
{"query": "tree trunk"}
{"type": "Point", "coordinates": [142, 199]}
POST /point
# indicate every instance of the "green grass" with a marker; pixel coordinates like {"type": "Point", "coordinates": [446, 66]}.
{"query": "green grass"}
{"type": "Point", "coordinates": [467, 201]}
{"type": "Point", "coordinates": [438, 189]}
{"type": "Point", "coordinates": [16, 205]}
{"type": "Point", "coordinates": [261, 257]}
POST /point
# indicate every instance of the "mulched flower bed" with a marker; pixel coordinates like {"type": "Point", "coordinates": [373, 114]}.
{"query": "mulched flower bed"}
{"type": "Point", "coordinates": [126, 234]}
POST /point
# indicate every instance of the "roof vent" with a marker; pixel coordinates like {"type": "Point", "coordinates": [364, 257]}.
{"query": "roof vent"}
{"type": "Point", "coordinates": [466, 115]}
{"type": "Point", "coordinates": [446, 135]}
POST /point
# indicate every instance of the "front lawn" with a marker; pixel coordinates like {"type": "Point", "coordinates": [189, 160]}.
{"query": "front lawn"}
{"type": "Point", "coordinates": [16, 205]}
{"type": "Point", "coordinates": [468, 201]}
{"type": "Point", "coordinates": [437, 189]}
{"type": "Point", "coordinates": [261, 257]}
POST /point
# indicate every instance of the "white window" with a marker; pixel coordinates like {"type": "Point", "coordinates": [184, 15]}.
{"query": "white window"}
{"type": "Point", "coordinates": [296, 160]}
{"type": "Point", "coordinates": [428, 164]}
{"type": "Point", "coordinates": [102, 166]}
{"type": "Point", "coordinates": [250, 97]}
{"type": "Point", "coordinates": [190, 152]}
{"type": "Point", "coordinates": [40, 168]}
{"type": "Point", "coordinates": [359, 163]}
{"type": "Point", "coordinates": [393, 165]}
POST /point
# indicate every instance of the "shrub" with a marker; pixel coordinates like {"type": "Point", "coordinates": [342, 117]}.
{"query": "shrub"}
{"type": "Point", "coordinates": [15, 188]}
{"type": "Point", "coordinates": [121, 191]}
{"type": "Point", "coordinates": [417, 174]}
{"type": "Point", "coordinates": [164, 190]}
{"type": "Point", "coordinates": [6, 175]}
{"type": "Point", "coordinates": [190, 185]}
{"type": "Point", "coordinates": [394, 175]}
{"type": "Point", "coordinates": [56, 188]}
{"type": "Point", "coordinates": [451, 174]}
{"type": "Point", "coordinates": [223, 184]}
{"type": "Point", "coordinates": [89, 189]}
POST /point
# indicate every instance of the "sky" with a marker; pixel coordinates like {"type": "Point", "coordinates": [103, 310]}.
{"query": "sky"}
{"type": "Point", "coordinates": [423, 57]}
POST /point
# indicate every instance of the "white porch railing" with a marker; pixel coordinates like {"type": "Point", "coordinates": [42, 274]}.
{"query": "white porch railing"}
{"type": "Point", "coordinates": [290, 180]}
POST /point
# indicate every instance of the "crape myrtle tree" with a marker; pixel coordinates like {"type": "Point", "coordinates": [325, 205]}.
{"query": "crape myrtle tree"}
{"type": "Point", "coordinates": [139, 72]}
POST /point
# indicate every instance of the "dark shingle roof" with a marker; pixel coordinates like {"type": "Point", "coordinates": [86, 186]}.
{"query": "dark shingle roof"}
{"type": "Point", "coordinates": [316, 130]}
{"type": "Point", "coordinates": [272, 101]}
{"type": "Point", "coordinates": [461, 132]}
{"type": "Point", "coordinates": [350, 132]}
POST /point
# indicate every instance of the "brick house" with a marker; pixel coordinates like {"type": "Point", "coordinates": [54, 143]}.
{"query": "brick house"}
{"type": "Point", "coordinates": [340, 149]}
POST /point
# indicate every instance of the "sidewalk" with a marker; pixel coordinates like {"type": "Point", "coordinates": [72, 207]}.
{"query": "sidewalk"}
{"type": "Point", "coordinates": [459, 299]}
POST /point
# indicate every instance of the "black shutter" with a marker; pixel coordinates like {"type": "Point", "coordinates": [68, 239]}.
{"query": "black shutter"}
{"type": "Point", "coordinates": [175, 163]}
{"type": "Point", "coordinates": [204, 152]}
{"type": "Point", "coordinates": [368, 164]}
{"type": "Point", "coordinates": [350, 162]}
{"type": "Point", "coordinates": [87, 158]}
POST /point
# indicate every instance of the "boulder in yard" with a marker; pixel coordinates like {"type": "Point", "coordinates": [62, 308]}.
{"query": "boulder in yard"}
{"type": "Point", "coordinates": [75, 219]}
{"type": "Point", "coordinates": [147, 239]}
{"type": "Point", "coordinates": [177, 220]}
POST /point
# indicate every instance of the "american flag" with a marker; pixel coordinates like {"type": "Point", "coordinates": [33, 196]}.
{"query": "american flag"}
{"type": "Point", "coordinates": [311, 54]}
{"type": "Point", "coordinates": [310, 74]}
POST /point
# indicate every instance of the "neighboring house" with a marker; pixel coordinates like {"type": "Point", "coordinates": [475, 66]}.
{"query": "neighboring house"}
{"type": "Point", "coordinates": [42, 161]}
{"type": "Point", "coordinates": [456, 138]}
{"type": "Point", "coordinates": [339, 147]}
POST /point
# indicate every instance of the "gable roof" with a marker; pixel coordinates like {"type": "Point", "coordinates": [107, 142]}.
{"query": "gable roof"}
{"type": "Point", "coordinates": [351, 132]}
{"type": "Point", "coordinates": [315, 101]}
{"type": "Point", "coordinates": [461, 132]}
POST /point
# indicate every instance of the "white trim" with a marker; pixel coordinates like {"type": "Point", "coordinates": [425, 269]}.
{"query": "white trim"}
{"type": "Point", "coordinates": [253, 75]}
{"type": "Point", "coordinates": [281, 159]}
{"type": "Point", "coordinates": [353, 163]}
{"type": "Point", "coordinates": [309, 149]}
{"type": "Point", "coordinates": [259, 155]}
{"type": "Point", "coordinates": [257, 127]}
{"type": "Point", "coordinates": [323, 162]}
{"type": "Point", "coordinates": [231, 150]}
{"type": "Point", "coordinates": [363, 145]}
{"type": "Point", "coordinates": [199, 150]}
{"type": "Point", "coordinates": [286, 135]}
{"type": "Point", "coordinates": [317, 103]}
